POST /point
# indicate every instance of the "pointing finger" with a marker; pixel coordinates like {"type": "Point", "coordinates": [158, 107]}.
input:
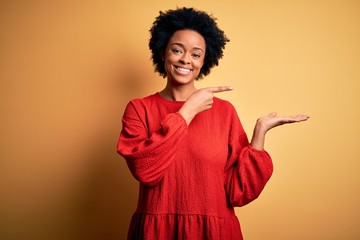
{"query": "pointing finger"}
{"type": "Point", "coordinates": [220, 89]}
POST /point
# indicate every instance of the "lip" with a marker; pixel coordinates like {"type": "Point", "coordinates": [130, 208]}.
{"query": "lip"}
{"type": "Point", "coordinates": [182, 70]}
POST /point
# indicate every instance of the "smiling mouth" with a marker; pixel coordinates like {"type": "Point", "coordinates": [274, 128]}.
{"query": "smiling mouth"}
{"type": "Point", "coordinates": [184, 70]}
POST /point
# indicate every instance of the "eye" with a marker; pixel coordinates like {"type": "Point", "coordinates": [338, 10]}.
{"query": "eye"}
{"type": "Point", "coordinates": [196, 55]}
{"type": "Point", "coordinates": [176, 50]}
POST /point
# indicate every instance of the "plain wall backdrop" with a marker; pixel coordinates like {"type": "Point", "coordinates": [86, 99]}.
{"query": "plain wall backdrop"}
{"type": "Point", "coordinates": [67, 69]}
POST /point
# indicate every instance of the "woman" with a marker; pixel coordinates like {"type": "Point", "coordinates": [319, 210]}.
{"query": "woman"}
{"type": "Point", "coordinates": [188, 148]}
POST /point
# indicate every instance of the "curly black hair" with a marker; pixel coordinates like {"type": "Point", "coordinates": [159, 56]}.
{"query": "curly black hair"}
{"type": "Point", "coordinates": [167, 23]}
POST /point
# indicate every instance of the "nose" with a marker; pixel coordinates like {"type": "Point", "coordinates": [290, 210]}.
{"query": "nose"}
{"type": "Point", "coordinates": [185, 59]}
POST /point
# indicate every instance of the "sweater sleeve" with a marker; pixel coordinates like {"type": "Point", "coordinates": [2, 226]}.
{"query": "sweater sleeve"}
{"type": "Point", "coordinates": [247, 170]}
{"type": "Point", "coordinates": [149, 154]}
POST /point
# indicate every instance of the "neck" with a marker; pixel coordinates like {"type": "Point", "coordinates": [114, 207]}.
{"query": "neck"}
{"type": "Point", "coordinates": [177, 93]}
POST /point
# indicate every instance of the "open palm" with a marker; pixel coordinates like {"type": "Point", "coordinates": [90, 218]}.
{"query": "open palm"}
{"type": "Point", "coordinates": [273, 120]}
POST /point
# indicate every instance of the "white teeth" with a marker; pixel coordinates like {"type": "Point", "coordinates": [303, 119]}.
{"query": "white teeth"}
{"type": "Point", "coordinates": [183, 69]}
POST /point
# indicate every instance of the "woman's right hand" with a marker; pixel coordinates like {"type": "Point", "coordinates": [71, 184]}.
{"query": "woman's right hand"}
{"type": "Point", "coordinates": [199, 101]}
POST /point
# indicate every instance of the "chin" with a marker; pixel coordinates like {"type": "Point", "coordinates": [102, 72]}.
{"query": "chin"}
{"type": "Point", "coordinates": [183, 80]}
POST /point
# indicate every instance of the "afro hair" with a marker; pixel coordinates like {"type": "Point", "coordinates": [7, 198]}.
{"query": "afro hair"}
{"type": "Point", "coordinates": [167, 23]}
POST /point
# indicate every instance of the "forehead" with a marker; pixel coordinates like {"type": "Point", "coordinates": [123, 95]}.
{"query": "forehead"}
{"type": "Point", "coordinates": [188, 38]}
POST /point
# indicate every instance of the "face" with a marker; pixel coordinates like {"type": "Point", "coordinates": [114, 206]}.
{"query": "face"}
{"type": "Point", "coordinates": [184, 56]}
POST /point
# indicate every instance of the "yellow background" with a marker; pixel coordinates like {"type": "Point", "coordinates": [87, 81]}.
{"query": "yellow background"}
{"type": "Point", "coordinates": [67, 69]}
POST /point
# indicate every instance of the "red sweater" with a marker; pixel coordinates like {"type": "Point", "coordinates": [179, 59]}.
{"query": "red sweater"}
{"type": "Point", "coordinates": [191, 177]}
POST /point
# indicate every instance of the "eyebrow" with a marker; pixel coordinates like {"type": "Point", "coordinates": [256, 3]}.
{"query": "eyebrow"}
{"type": "Point", "coordinates": [182, 45]}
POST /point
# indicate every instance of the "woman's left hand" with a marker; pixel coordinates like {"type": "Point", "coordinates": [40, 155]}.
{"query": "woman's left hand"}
{"type": "Point", "coordinates": [273, 120]}
{"type": "Point", "coordinates": [270, 121]}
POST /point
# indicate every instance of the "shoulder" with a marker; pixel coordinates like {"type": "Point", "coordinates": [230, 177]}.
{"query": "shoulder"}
{"type": "Point", "coordinates": [225, 109]}
{"type": "Point", "coordinates": [144, 102]}
{"type": "Point", "coordinates": [139, 105]}
{"type": "Point", "coordinates": [228, 113]}
{"type": "Point", "coordinates": [223, 104]}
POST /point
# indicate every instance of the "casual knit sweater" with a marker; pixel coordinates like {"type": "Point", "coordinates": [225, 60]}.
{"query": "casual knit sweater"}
{"type": "Point", "coordinates": [191, 176]}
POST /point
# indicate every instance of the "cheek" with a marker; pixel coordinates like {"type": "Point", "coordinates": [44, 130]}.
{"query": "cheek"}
{"type": "Point", "coordinates": [167, 59]}
{"type": "Point", "coordinates": [168, 62]}
{"type": "Point", "coordinates": [199, 64]}
{"type": "Point", "coordinates": [170, 57]}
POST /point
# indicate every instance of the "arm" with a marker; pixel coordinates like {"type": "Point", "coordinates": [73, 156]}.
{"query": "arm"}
{"type": "Point", "coordinates": [247, 177]}
{"type": "Point", "coordinates": [148, 156]}
{"type": "Point", "coordinates": [249, 171]}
